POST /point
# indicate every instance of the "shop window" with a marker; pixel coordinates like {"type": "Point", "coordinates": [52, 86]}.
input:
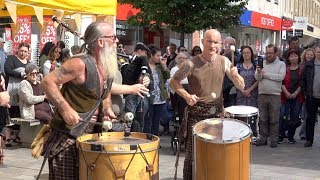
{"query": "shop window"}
{"type": "Point", "coordinates": [128, 35]}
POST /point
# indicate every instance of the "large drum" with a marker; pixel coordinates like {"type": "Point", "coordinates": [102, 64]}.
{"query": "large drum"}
{"type": "Point", "coordinates": [246, 114]}
{"type": "Point", "coordinates": [221, 150]}
{"type": "Point", "coordinates": [112, 155]}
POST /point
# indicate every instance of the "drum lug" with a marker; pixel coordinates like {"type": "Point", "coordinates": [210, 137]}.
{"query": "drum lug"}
{"type": "Point", "coordinates": [96, 147]}
{"type": "Point", "coordinates": [150, 167]}
{"type": "Point", "coordinates": [120, 173]}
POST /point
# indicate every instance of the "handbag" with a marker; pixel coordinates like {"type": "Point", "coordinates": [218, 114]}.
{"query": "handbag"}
{"type": "Point", "coordinates": [39, 141]}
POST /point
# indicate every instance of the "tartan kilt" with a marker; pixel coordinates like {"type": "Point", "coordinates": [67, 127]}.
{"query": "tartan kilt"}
{"type": "Point", "coordinates": [62, 157]}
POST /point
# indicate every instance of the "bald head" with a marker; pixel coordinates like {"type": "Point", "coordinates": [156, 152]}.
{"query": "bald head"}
{"type": "Point", "coordinates": [95, 31]}
{"type": "Point", "coordinates": [211, 42]}
{"type": "Point", "coordinates": [212, 33]}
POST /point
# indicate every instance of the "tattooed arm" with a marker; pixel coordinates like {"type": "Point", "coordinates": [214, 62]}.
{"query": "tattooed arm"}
{"type": "Point", "coordinates": [71, 71]}
{"type": "Point", "coordinates": [184, 71]}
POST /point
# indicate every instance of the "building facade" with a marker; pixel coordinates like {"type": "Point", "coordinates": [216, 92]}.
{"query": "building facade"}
{"type": "Point", "coordinates": [276, 21]}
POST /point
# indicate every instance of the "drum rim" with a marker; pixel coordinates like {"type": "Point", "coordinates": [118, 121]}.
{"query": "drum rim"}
{"type": "Point", "coordinates": [242, 115]}
{"type": "Point", "coordinates": [223, 141]}
{"type": "Point", "coordinates": [81, 144]}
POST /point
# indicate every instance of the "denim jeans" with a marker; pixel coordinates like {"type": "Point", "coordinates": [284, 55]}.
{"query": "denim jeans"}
{"type": "Point", "coordinates": [289, 115]}
{"type": "Point", "coordinates": [152, 121]}
{"type": "Point", "coordinates": [139, 107]}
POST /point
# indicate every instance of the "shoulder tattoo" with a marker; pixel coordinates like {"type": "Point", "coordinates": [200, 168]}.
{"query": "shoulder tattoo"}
{"type": "Point", "coordinates": [183, 71]}
{"type": "Point", "coordinates": [60, 72]}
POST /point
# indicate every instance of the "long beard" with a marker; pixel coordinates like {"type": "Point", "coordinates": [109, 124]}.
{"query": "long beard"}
{"type": "Point", "coordinates": [108, 60]}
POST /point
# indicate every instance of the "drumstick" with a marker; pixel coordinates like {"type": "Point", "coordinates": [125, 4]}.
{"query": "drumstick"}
{"type": "Point", "coordinates": [128, 117]}
{"type": "Point", "coordinates": [106, 124]}
{"type": "Point", "coordinates": [233, 49]}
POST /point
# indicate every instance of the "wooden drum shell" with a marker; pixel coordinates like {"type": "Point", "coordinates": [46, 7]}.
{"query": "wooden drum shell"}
{"type": "Point", "coordinates": [97, 166]}
{"type": "Point", "coordinates": [221, 161]}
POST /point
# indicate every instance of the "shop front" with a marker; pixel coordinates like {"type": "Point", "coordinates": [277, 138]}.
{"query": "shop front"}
{"type": "Point", "coordinates": [257, 30]}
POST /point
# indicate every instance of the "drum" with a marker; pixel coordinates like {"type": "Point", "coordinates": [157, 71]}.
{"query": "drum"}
{"type": "Point", "coordinates": [221, 150]}
{"type": "Point", "coordinates": [118, 155]}
{"type": "Point", "coordinates": [246, 114]}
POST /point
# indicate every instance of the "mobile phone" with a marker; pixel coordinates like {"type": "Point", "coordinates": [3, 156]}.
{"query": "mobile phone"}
{"type": "Point", "coordinates": [260, 62]}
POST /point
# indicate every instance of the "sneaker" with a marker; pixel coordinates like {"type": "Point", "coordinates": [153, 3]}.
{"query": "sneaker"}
{"type": "Point", "coordinates": [273, 144]}
{"type": "Point", "coordinates": [291, 141]}
{"type": "Point", "coordinates": [261, 142]}
{"type": "Point", "coordinates": [280, 140]}
{"type": "Point", "coordinates": [303, 138]}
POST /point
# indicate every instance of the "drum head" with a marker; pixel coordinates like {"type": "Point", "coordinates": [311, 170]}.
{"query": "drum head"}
{"type": "Point", "coordinates": [120, 140]}
{"type": "Point", "coordinates": [221, 130]}
{"type": "Point", "coordinates": [242, 111]}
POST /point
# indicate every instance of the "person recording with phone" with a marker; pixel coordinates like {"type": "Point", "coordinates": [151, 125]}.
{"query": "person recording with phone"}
{"type": "Point", "coordinates": [269, 74]}
{"type": "Point", "coordinates": [137, 71]}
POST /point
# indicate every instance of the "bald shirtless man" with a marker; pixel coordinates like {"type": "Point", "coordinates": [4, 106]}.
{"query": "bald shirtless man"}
{"type": "Point", "coordinates": [205, 75]}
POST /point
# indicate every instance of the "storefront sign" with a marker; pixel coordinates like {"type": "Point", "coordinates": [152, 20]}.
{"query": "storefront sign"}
{"type": "Point", "coordinates": [121, 29]}
{"type": "Point", "coordinates": [24, 32]}
{"type": "Point", "coordinates": [300, 22]}
{"type": "Point", "coordinates": [49, 34]}
{"type": "Point", "coordinates": [8, 34]}
{"type": "Point", "coordinates": [310, 28]}
{"type": "Point", "coordinates": [245, 18]}
{"type": "Point", "coordinates": [297, 32]}
{"type": "Point", "coordinates": [68, 39]}
{"type": "Point", "coordinates": [287, 24]}
{"type": "Point", "coordinates": [265, 21]}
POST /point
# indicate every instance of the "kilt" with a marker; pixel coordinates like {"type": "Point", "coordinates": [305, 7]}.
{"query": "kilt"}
{"type": "Point", "coordinates": [194, 114]}
{"type": "Point", "coordinates": [62, 157]}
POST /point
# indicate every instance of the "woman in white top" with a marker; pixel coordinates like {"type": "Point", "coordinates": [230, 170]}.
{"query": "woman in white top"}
{"type": "Point", "coordinates": [54, 60]}
{"type": "Point", "coordinates": [177, 101]}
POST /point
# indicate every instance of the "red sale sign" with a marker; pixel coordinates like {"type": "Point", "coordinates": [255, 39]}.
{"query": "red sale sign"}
{"type": "Point", "coordinates": [49, 34]}
{"type": "Point", "coordinates": [8, 34]}
{"type": "Point", "coordinates": [24, 32]}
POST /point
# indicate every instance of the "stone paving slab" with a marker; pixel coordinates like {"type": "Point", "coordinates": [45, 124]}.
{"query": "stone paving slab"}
{"type": "Point", "coordinates": [287, 162]}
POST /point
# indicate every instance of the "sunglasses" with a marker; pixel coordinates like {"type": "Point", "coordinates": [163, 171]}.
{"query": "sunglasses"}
{"type": "Point", "coordinates": [183, 50]}
{"type": "Point", "coordinates": [33, 73]}
{"type": "Point", "coordinates": [113, 37]}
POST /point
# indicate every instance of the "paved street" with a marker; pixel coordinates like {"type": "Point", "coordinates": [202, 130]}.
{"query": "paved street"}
{"type": "Point", "coordinates": [287, 162]}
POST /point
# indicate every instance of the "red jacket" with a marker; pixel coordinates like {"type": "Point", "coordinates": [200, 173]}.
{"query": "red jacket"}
{"type": "Point", "coordinates": [286, 82]}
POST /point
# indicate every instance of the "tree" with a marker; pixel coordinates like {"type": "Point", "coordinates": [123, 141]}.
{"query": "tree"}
{"type": "Point", "coordinates": [186, 16]}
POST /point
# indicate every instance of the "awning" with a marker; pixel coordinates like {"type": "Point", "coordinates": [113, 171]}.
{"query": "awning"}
{"type": "Point", "coordinates": [97, 7]}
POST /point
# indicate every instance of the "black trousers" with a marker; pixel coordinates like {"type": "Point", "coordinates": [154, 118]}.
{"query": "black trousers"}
{"type": "Point", "coordinates": [312, 106]}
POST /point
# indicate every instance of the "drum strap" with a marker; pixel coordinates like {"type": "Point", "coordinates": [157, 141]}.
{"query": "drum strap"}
{"type": "Point", "coordinates": [94, 164]}
{"type": "Point", "coordinates": [149, 166]}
